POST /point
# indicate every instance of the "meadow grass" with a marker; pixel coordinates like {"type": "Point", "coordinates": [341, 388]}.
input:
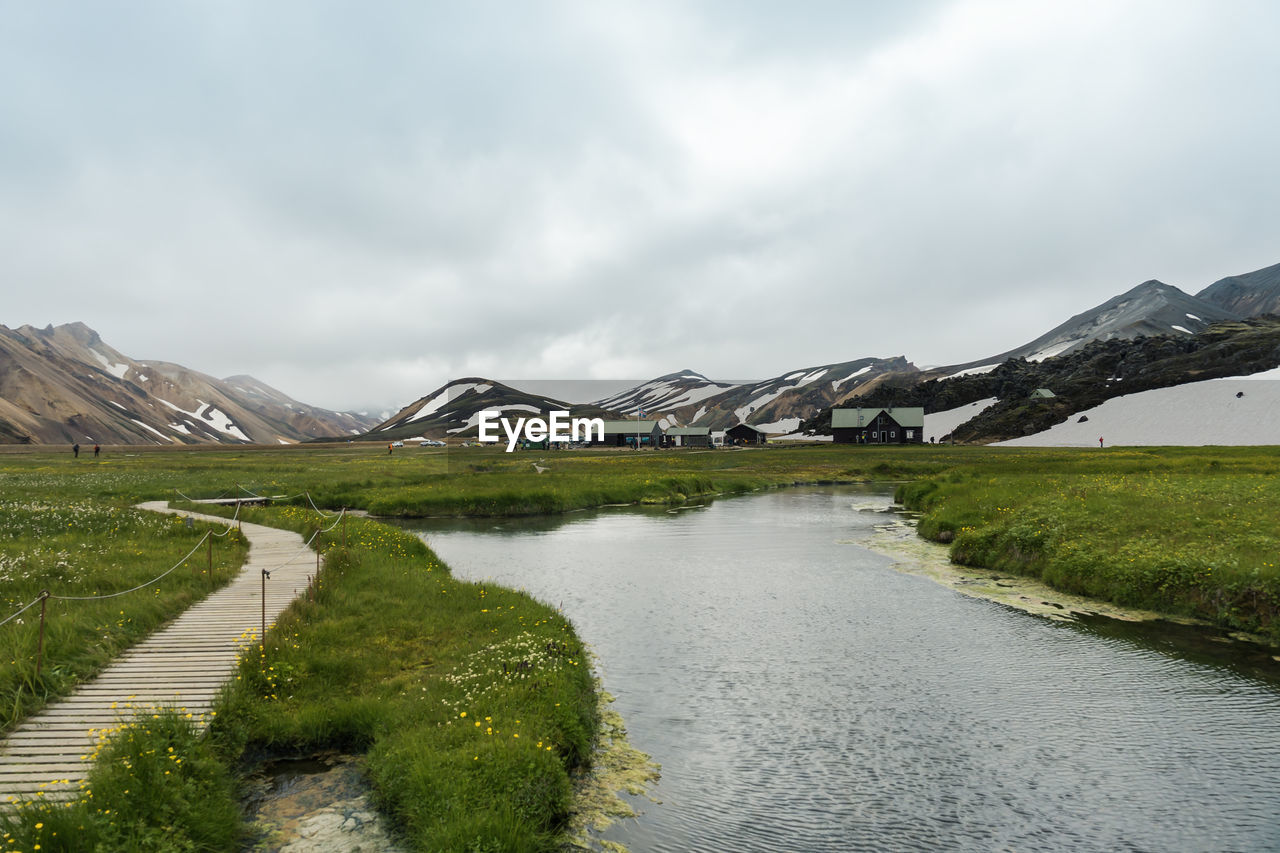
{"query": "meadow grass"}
{"type": "Point", "coordinates": [155, 784]}
{"type": "Point", "coordinates": [83, 552]}
{"type": "Point", "coordinates": [1182, 531]}
{"type": "Point", "coordinates": [473, 704]}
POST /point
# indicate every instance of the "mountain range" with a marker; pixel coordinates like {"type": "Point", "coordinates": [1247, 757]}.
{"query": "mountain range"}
{"type": "Point", "coordinates": [782, 404]}
{"type": "Point", "coordinates": [65, 384]}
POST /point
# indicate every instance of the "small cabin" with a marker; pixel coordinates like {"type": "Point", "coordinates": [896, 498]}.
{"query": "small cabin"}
{"type": "Point", "coordinates": [892, 425]}
{"type": "Point", "coordinates": [745, 434]}
{"type": "Point", "coordinates": [628, 434]}
{"type": "Point", "coordinates": [689, 437]}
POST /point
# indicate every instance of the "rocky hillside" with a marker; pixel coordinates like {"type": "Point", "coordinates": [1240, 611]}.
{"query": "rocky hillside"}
{"type": "Point", "coordinates": [1086, 377]}
{"type": "Point", "coordinates": [677, 399]}
{"type": "Point", "coordinates": [1151, 308]}
{"type": "Point", "coordinates": [776, 405]}
{"type": "Point", "coordinates": [64, 385]}
{"type": "Point", "coordinates": [1249, 295]}
{"type": "Point", "coordinates": [453, 410]}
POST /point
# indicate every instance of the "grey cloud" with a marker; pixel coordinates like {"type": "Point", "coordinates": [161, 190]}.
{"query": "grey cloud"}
{"type": "Point", "coordinates": [356, 203]}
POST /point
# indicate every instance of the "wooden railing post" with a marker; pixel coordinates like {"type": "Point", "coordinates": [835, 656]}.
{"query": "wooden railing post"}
{"type": "Point", "coordinates": [262, 646]}
{"type": "Point", "coordinates": [44, 600]}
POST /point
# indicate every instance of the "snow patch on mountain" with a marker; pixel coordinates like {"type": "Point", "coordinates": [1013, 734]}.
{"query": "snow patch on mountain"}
{"type": "Point", "coordinates": [838, 383]}
{"type": "Point", "coordinates": [784, 425]}
{"type": "Point", "coordinates": [448, 395]}
{"type": "Point", "coordinates": [1050, 351]}
{"type": "Point", "coordinates": [973, 371]}
{"type": "Point", "coordinates": [940, 424]}
{"type": "Point", "coordinates": [513, 407]}
{"type": "Point", "coordinates": [152, 429]}
{"type": "Point", "coordinates": [769, 396]}
{"type": "Point", "coordinates": [665, 393]}
{"type": "Point", "coordinates": [1245, 411]}
{"type": "Point", "coordinates": [211, 415]}
{"type": "Point", "coordinates": [116, 370]}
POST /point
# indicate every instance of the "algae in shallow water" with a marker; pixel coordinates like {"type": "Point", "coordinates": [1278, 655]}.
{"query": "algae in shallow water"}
{"type": "Point", "coordinates": [617, 768]}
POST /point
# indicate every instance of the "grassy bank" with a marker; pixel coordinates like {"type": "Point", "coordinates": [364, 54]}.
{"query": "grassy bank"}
{"type": "Point", "coordinates": [472, 704]}
{"type": "Point", "coordinates": [469, 481]}
{"type": "Point", "coordinates": [1182, 531]}
{"type": "Point", "coordinates": [95, 561]}
{"type": "Point", "coordinates": [156, 784]}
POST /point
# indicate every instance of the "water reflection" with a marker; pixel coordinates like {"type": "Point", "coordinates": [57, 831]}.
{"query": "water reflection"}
{"type": "Point", "coordinates": [802, 695]}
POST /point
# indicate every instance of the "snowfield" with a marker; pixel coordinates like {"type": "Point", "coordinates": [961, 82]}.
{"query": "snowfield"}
{"type": "Point", "coordinates": [211, 415]}
{"type": "Point", "coordinates": [448, 395]}
{"type": "Point", "coordinates": [787, 425]}
{"type": "Point", "coordinates": [116, 370]}
{"type": "Point", "coordinates": [1241, 410]}
{"type": "Point", "coordinates": [938, 424]}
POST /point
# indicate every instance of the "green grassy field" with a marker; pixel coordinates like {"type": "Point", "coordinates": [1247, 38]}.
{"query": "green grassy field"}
{"type": "Point", "coordinates": [1182, 531]}
{"type": "Point", "coordinates": [474, 705]}
{"type": "Point", "coordinates": [87, 554]}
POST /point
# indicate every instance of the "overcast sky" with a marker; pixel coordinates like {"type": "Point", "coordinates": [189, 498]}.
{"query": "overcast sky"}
{"type": "Point", "coordinates": [355, 202]}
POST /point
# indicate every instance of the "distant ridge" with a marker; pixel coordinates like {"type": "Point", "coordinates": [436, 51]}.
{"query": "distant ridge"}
{"type": "Point", "coordinates": [65, 385]}
{"type": "Point", "coordinates": [1151, 308]}
{"type": "Point", "coordinates": [1249, 294]}
{"type": "Point", "coordinates": [453, 410]}
{"type": "Point", "coordinates": [782, 404]}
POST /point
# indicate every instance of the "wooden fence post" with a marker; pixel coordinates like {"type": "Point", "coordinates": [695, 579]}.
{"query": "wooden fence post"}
{"type": "Point", "coordinates": [44, 600]}
{"type": "Point", "coordinates": [262, 645]}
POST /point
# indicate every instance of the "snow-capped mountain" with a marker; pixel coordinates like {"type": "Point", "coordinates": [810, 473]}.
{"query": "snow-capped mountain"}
{"type": "Point", "coordinates": [668, 393]}
{"type": "Point", "coordinates": [1151, 308]}
{"type": "Point", "coordinates": [64, 384]}
{"type": "Point", "coordinates": [454, 409]}
{"type": "Point", "coordinates": [775, 405]}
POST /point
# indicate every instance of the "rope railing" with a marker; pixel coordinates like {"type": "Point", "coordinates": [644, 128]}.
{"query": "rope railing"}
{"type": "Point", "coordinates": [255, 496]}
{"type": "Point", "coordinates": [23, 609]}
{"type": "Point", "coordinates": [338, 520]}
{"type": "Point", "coordinates": [185, 497]}
{"type": "Point", "coordinates": [231, 524]}
{"type": "Point", "coordinates": [45, 596]}
{"type": "Point", "coordinates": [318, 509]}
{"type": "Point", "coordinates": [203, 539]}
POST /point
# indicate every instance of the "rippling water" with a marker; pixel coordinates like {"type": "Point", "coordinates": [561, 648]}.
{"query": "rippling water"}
{"type": "Point", "coordinates": [802, 695]}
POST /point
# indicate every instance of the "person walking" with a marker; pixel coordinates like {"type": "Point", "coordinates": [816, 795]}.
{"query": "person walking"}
{"type": "Point", "coordinates": [1100, 441]}
{"type": "Point", "coordinates": [75, 450]}
{"type": "Point", "coordinates": [96, 450]}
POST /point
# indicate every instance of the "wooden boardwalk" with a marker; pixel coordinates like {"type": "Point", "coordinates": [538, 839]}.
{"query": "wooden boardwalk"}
{"type": "Point", "coordinates": [183, 665]}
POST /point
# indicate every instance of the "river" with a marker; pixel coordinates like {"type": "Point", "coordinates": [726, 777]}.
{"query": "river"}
{"type": "Point", "coordinates": [801, 694]}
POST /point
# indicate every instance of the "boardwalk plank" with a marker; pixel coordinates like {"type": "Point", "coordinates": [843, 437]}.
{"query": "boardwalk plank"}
{"type": "Point", "coordinates": [183, 665]}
